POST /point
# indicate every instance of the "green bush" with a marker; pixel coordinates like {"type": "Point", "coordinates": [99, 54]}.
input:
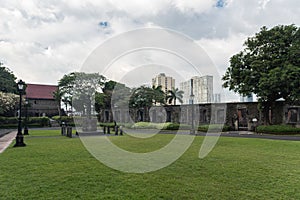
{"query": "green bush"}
{"type": "Point", "coordinates": [144, 125]}
{"type": "Point", "coordinates": [278, 129]}
{"type": "Point", "coordinates": [12, 122]}
{"type": "Point", "coordinates": [213, 127]}
{"type": "Point", "coordinates": [69, 120]}
{"type": "Point", "coordinates": [41, 121]}
{"type": "Point", "coordinates": [66, 119]}
{"type": "Point", "coordinates": [160, 126]}
{"type": "Point", "coordinates": [5, 126]}
{"type": "Point", "coordinates": [8, 120]}
{"type": "Point", "coordinates": [168, 126]}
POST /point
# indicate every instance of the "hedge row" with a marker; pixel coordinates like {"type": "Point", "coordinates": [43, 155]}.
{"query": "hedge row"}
{"type": "Point", "coordinates": [65, 119]}
{"type": "Point", "coordinates": [170, 126]}
{"type": "Point", "coordinates": [213, 127]}
{"type": "Point", "coordinates": [278, 129]}
{"type": "Point", "coordinates": [12, 122]}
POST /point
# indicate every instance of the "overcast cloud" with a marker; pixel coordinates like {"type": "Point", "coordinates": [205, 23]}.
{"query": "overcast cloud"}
{"type": "Point", "coordinates": [40, 41]}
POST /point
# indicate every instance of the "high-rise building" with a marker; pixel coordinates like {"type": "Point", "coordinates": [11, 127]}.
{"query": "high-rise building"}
{"type": "Point", "coordinates": [202, 89]}
{"type": "Point", "coordinates": [247, 98]}
{"type": "Point", "coordinates": [216, 98]}
{"type": "Point", "coordinates": [166, 82]}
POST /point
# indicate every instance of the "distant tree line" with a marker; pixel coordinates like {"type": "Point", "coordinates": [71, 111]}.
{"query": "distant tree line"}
{"type": "Point", "coordinates": [84, 91]}
{"type": "Point", "coordinates": [8, 90]}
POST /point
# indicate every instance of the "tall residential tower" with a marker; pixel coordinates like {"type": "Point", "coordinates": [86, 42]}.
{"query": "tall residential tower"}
{"type": "Point", "coordinates": [166, 82]}
{"type": "Point", "coordinates": [202, 89]}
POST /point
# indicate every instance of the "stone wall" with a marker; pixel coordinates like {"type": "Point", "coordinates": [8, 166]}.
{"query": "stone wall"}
{"type": "Point", "coordinates": [231, 114]}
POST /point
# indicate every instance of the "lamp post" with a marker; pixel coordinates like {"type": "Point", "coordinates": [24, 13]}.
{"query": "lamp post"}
{"type": "Point", "coordinates": [26, 118]}
{"type": "Point", "coordinates": [19, 137]}
{"type": "Point", "coordinates": [192, 96]}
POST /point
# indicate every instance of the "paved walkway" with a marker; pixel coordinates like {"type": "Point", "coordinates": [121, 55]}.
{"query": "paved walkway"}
{"type": "Point", "coordinates": [6, 140]}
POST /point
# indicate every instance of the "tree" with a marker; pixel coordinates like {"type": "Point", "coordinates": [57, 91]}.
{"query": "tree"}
{"type": "Point", "coordinates": [7, 102]}
{"type": "Point", "coordinates": [173, 95]}
{"type": "Point", "coordinates": [7, 80]}
{"type": "Point", "coordinates": [81, 88]}
{"type": "Point", "coordinates": [158, 95]}
{"type": "Point", "coordinates": [268, 66]}
{"type": "Point", "coordinates": [103, 100]}
{"type": "Point", "coordinates": [66, 84]}
{"type": "Point", "coordinates": [114, 94]}
{"type": "Point", "coordinates": [57, 97]}
{"type": "Point", "coordinates": [141, 97]}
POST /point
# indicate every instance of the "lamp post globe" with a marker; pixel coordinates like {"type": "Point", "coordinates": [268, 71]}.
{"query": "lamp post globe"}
{"type": "Point", "coordinates": [20, 137]}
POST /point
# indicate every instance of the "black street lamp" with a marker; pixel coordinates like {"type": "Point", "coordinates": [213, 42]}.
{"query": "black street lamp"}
{"type": "Point", "coordinates": [192, 96]}
{"type": "Point", "coordinates": [19, 137]}
{"type": "Point", "coordinates": [26, 118]}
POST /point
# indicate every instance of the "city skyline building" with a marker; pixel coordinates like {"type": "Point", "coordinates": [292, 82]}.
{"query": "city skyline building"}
{"type": "Point", "coordinates": [166, 82]}
{"type": "Point", "coordinates": [202, 89]}
{"type": "Point", "coordinates": [247, 98]}
{"type": "Point", "coordinates": [216, 98]}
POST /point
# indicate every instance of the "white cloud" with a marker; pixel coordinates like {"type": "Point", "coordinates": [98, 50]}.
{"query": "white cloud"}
{"type": "Point", "coordinates": [188, 6]}
{"type": "Point", "coordinates": [41, 40]}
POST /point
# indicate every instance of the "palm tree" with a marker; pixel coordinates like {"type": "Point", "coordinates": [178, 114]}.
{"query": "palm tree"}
{"type": "Point", "coordinates": [158, 94]}
{"type": "Point", "coordinates": [173, 95]}
{"type": "Point", "coordinates": [57, 97]}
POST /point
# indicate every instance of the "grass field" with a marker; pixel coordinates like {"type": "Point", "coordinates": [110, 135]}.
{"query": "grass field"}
{"type": "Point", "coordinates": [57, 167]}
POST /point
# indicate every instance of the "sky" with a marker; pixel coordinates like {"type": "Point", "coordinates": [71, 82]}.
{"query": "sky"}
{"type": "Point", "coordinates": [40, 41]}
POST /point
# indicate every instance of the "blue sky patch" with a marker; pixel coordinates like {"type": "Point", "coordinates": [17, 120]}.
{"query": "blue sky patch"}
{"type": "Point", "coordinates": [220, 3]}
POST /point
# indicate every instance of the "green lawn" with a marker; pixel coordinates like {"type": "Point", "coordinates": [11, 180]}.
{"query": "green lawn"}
{"type": "Point", "coordinates": [237, 168]}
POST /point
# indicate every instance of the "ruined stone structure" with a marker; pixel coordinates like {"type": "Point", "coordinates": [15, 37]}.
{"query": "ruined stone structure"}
{"type": "Point", "coordinates": [236, 115]}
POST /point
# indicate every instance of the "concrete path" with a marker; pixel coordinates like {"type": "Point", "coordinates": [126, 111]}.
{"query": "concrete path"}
{"type": "Point", "coordinates": [6, 140]}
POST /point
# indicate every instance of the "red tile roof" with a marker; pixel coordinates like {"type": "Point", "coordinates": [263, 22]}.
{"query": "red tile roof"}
{"type": "Point", "coordinates": [36, 91]}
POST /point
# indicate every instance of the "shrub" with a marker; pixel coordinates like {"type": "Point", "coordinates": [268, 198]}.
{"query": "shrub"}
{"type": "Point", "coordinates": [278, 129]}
{"type": "Point", "coordinates": [160, 126]}
{"type": "Point", "coordinates": [12, 122]}
{"type": "Point", "coordinates": [8, 120]}
{"type": "Point", "coordinates": [66, 119]}
{"type": "Point", "coordinates": [171, 126]}
{"type": "Point", "coordinates": [167, 126]}
{"type": "Point", "coordinates": [213, 127]}
{"type": "Point", "coordinates": [41, 121]}
{"type": "Point", "coordinates": [144, 125]}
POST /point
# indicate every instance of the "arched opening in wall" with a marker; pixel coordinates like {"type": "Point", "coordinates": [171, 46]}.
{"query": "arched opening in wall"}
{"type": "Point", "coordinates": [242, 119]}
{"type": "Point", "coordinates": [106, 113]}
{"type": "Point", "coordinates": [292, 115]}
{"type": "Point", "coordinates": [140, 114]}
{"type": "Point", "coordinates": [169, 116]}
{"type": "Point", "coordinates": [220, 116]}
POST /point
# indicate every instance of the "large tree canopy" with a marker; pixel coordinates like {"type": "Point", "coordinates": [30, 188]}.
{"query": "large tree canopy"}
{"type": "Point", "coordinates": [7, 80]}
{"type": "Point", "coordinates": [81, 88]}
{"type": "Point", "coordinates": [268, 66]}
{"type": "Point", "coordinates": [7, 102]}
{"type": "Point", "coordinates": [114, 95]}
{"type": "Point", "coordinates": [146, 97]}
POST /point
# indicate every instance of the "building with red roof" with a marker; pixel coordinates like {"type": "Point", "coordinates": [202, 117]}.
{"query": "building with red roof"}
{"type": "Point", "coordinates": [41, 101]}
